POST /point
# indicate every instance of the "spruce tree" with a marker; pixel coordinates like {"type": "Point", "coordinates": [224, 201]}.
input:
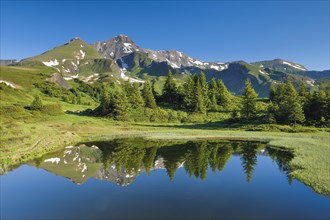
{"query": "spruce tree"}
{"type": "Point", "coordinates": [120, 107]}
{"type": "Point", "coordinates": [303, 93]}
{"type": "Point", "coordinates": [189, 94]}
{"type": "Point", "coordinates": [272, 92]}
{"type": "Point", "coordinates": [169, 89]}
{"type": "Point", "coordinates": [317, 106]}
{"type": "Point", "coordinates": [279, 104]}
{"type": "Point", "coordinates": [204, 89]}
{"type": "Point", "coordinates": [136, 96]}
{"type": "Point", "coordinates": [133, 94]}
{"type": "Point", "coordinates": [296, 113]}
{"type": "Point", "coordinates": [36, 103]}
{"type": "Point", "coordinates": [105, 100]}
{"type": "Point", "coordinates": [302, 89]}
{"type": "Point", "coordinates": [148, 96]}
{"type": "Point", "coordinates": [200, 106]}
{"type": "Point", "coordinates": [213, 95]}
{"type": "Point", "coordinates": [292, 107]}
{"type": "Point", "coordinates": [249, 108]}
{"type": "Point", "coordinates": [223, 96]}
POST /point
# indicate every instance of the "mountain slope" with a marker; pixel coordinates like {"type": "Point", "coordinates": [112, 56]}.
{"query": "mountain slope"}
{"type": "Point", "coordinates": [325, 74]}
{"type": "Point", "coordinates": [234, 78]}
{"type": "Point", "coordinates": [75, 59]}
{"type": "Point", "coordinates": [281, 65]}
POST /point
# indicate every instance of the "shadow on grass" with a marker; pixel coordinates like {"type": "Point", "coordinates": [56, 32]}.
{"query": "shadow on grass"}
{"type": "Point", "coordinates": [226, 124]}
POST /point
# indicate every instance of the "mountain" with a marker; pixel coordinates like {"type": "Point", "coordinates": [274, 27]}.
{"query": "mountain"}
{"type": "Point", "coordinates": [7, 62]}
{"type": "Point", "coordinates": [75, 59]}
{"type": "Point", "coordinates": [234, 78]}
{"type": "Point", "coordinates": [121, 46]}
{"type": "Point", "coordinates": [325, 74]}
{"type": "Point", "coordinates": [281, 65]}
{"type": "Point", "coordinates": [120, 58]}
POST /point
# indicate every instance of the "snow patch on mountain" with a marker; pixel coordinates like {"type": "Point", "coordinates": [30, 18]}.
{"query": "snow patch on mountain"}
{"type": "Point", "coordinates": [51, 63]}
{"type": "Point", "coordinates": [127, 78]}
{"type": "Point", "coordinates": [197, 62]}
{"type": "Point", "coordinates": [93, 77]}
{"type": "Point", "coordinates": [296, 66]}
{"type": "Point", "coordinates": [82, 54]}
{"type": "Point", "coordinates": [215, 67]}
{"type": "Point", "coordinates": [262, 72]}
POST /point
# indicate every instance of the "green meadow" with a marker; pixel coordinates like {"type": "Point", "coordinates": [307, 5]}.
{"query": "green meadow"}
{"type": "Point", "coordinates": [27, 134]}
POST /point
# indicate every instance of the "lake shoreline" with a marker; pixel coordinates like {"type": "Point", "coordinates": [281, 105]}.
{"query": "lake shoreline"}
{"type": "Point", "coordinates": [311, 149]}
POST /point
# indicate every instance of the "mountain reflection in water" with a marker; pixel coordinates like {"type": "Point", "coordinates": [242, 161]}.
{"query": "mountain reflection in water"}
{"type": "Point", "coordinates": [122, 160]}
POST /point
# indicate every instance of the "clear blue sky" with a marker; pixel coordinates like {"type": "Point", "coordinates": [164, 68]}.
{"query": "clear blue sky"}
{"type": "Point", "coordinates": [207, 30]}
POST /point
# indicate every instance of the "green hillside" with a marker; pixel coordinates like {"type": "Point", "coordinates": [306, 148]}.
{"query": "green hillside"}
{"type": "Point", "coordinates": [75, 59]}
{"type": "Point", "coordinates": [68, 51]}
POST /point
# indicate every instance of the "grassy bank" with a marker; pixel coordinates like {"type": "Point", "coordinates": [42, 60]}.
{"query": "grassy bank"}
{"type": "Point", "coordinates": [25, 139]}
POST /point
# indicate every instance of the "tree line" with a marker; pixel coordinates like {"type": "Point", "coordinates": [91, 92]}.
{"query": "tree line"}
{"type": "Point", "coordinates": [196, 97]}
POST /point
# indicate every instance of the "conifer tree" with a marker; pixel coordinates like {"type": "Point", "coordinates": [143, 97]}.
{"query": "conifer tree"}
{"type": "Point", "coordinates": [213, 95]}
{"type": "Point", "coordinates": [200, 106]}
{"type": "Point", "coordinates": [136, 96]}
{"type": "Point", "coordinates": [148, 96]}
{"type": "Point", "coordinates": [169, 89]}
{"type": "Point", "coordinates": [36, 103]}
{"type": "Point", "coordinates": [120, 106]}
{"type": "Point", "coordinates": [204, 89]}
{"type": "Point", "coordinates": [292, 107]}
{"type": "Point", "coordinates": [223, 96]}
{"type": "Point", "coordinates": [317, 106]}
{"type": "Point", "coordinates": [133, 94]}
{"type": "Point", "coordinates": [303, 93]}
{"type": "Point", "coordinates": [296, 113]}
{"type": "Point", "coordinates": [302, 89]}
{"type": "Point", "coordinates": [105, 101]}
{"type": "Point", "coordinates": [272, 92]}
{"type": "Point", "coordinates": [279, 94]}
{"type": "Point", "coordinates": [249, 108]}
{"type": "Point", "coordinates": [189, 94]}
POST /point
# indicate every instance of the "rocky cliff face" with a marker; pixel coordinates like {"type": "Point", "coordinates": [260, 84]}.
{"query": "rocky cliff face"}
{"type": "Point", "coordinates": [121, 46]}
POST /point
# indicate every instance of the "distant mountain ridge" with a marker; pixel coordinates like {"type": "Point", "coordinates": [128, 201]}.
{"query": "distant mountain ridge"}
{"type": "Point", "coordinates": [281, 65]}
{"type": "Point", "coordinates": [121, 59]}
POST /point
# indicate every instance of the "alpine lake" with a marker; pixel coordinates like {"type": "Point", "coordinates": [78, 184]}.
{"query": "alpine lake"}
{"type": "Point", "coordinates": [135, 178]}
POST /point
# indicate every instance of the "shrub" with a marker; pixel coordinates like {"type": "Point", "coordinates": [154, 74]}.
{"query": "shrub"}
{"type": "Point", "coordinates": [53, 109]}
{"type": "Point", "coordinates": [36, 104]}
{"type": "Point", "coordinates": [195, 118]}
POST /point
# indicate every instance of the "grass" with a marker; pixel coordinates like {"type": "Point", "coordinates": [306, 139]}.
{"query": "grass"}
{"type": "Point", "coordinates": [25, 134]}
{"type": "Point", "coordinates": [25, 76]}
{"type": "Point", "coordinates": [310, 164]}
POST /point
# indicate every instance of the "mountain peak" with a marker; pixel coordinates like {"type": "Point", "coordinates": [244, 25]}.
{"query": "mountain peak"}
{"type": "Point", "coordinates": [281, 65]}
{"type": "Point", "coordinates": [76, 40]}
{"type": "Point", "coordinates": [116, 47]}
{"type": "Point", "coordinates": [122, 38]}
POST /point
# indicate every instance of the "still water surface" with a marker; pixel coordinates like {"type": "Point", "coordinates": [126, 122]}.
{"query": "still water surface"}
{"type": "Point", "coordinates": [140, 179]}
